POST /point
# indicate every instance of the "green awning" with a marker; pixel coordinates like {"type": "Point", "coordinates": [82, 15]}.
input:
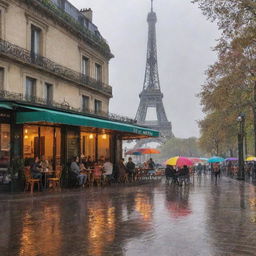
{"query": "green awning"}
{"type": "Point", "coordinates": [5, 106]}
{"type": "Point", "coordinates": [52, 116]}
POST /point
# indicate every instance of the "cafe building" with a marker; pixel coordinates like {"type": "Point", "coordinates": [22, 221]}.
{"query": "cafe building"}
{"type": "Point", "coordinates": [54, 87]}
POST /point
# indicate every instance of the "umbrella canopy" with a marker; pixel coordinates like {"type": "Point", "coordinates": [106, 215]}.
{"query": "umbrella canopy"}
{"type": "Point", "coordinates": [195, 160]}
{"type": "Point", "coordinates": [231, 159]}
{"type": "Point", "coordinates": [133, 152]}
{"type": "Point", "coordinates": [148, 151]}
{"type": "Point", "coordinates": [179, 161]}
{"type": "Point", "coordinates": [251, 158]}
{"type": "Point", "coordinates": [142, 151]}
{"type": "Point", "coordinates": [215, 159]}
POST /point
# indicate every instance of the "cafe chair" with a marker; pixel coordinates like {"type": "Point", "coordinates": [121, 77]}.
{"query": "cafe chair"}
{"type": "Point", "coordinates": [29, 181]}
{"type": "Point", "coordinates": [55, 182]}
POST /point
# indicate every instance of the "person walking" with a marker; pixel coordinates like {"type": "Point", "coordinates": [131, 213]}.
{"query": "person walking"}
{"type": "Point", "coordinates": [130, 166]}
{"type": "Point", "coordinates": [216, 170]}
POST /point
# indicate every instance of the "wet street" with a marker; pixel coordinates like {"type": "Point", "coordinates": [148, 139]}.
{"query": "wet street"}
{"type": "Point", "coordinates": [153, 219]}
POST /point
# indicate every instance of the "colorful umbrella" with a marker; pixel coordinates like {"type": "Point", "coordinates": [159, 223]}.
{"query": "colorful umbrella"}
{"type": "Point", "coordinates": [133, 152]}
{"type": "Point", "coordinates": [148, 151]}
{"type": "Point", "coordinates": [251, 158]}
{"type": "Point", "coordinates": [231, 159]}
{"type": "Point", "coordinates": [195, 160]}
{"type": "Point", "coordinates": [179, 161]}
{"type": "Point", "coordinates": [215, 159]}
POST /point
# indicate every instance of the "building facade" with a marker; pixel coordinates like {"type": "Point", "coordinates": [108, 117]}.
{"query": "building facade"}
{"type": "Point", "coordinates": [54, 86]}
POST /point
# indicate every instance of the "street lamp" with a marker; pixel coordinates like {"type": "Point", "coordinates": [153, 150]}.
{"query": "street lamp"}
{"type": "Point", "coordinates": [241, 121]}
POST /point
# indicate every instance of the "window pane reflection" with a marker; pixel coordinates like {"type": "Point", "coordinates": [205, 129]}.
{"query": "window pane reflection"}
{"type": "Point", "coordinates": [88, 145]}
{"type": "Point", "coordinates": [31, 142]}
{"type": "Point", "coordinates": [103, 147]}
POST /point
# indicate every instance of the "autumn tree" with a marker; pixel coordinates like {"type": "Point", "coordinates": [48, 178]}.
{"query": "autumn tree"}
{"type": "Point", "coordinates": [230, 87]}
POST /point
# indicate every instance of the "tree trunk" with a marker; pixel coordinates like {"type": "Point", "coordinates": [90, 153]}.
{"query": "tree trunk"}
{"type": "Point", "coordinates": [254, 117]}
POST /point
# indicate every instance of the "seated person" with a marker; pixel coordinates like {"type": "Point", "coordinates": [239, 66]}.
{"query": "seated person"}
{"type": "Point", "coordinates": [36, 169]}
{"type": "Point", "coordinates": [75, 169]}
{"type": "Point", "coordinates": [107, 168]}
{"type": "Point", "coordinates": [97, 171]}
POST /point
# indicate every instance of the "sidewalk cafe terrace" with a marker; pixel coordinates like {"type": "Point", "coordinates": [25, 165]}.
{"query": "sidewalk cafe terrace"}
{"type": "Point", "coordinates": [30, 130]}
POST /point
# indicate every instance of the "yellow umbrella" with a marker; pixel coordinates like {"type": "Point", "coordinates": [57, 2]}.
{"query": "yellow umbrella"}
{"type": "Point", "coordinates": [251, 158]}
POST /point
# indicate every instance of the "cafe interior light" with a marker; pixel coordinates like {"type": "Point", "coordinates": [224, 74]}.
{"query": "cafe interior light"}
{"type": "Point", "coordinates": [104, 136]}
{"type": "Point", "coordinates": [26, 131]}
{"type": "Point", "coordinates": [91, 136]}
{"type": "Point", "coordinates": [26, 137]}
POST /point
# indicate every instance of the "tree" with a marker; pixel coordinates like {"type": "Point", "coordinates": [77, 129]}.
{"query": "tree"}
{"type": "Point", "coordinates": [230, 87]}
{"type": "Point", "coordinates": [180, 147]}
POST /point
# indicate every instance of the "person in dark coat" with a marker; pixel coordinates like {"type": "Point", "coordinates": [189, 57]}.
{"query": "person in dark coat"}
{"type": "Point", "coordinates": [130, 166]}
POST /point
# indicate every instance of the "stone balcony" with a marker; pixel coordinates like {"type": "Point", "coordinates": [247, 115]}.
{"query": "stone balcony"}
{"type": "Point", "coordinates": [26, 57]}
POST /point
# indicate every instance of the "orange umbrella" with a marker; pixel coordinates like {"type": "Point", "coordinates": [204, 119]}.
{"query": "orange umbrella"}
{"type": "Point", "coordinates": [148, 151]}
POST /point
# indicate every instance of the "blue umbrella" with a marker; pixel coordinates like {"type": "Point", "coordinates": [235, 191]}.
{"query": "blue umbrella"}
{"type": "Point", "coordinates": [215, 159]}
{"type": "Point", "coordinates": [136, 153]}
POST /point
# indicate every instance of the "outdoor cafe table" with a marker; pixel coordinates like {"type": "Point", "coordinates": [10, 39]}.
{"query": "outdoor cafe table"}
{"type": "Point", "coordinates": [46, 173]}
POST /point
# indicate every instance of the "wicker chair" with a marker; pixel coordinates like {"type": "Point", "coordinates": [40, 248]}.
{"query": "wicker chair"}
{"type": "Point", "coordinates": [57, 179]}
{"type": "Point", "coordinates": [29, 181]}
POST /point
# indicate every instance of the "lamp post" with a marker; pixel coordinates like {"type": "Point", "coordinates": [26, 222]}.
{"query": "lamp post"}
{"type": "Point", "coordinates": [241, 121]}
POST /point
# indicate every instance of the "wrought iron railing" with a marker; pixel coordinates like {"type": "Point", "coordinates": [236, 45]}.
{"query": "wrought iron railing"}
{"type": "Point", "coordinates": [64, 106]}
{"type": "Point", "coordinates": [25, 56]}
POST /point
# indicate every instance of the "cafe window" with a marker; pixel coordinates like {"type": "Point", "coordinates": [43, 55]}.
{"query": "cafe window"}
{"type": "Point", "coordinates": [88, 145]}
{"type": "Point", "coordinates": [30, 88]}
{"type": "Point", "coordinates": [72, 143]}
{"type": "Point", "coordinates": [4, 152]}
{"type": "Point", "coordinates": [36, 34]}
{"type": "Point", "coordinates": [98, 72]}
{"type": "Point", "coordinates": [85, 66]}
{"type": "Point", "coordinates": [103, 146]}
{"type": "Point", "coordinates": [97, 106]}
{"type": "Point", "coordinates": [1, 78]}
{"type": "Point", "coordinates": [58, 146]}
{"type": "Point", "coordinates": [42, 141]}
{"type": "Point", "coordinates": [46, 143]}
{"type": "Point", "coordinates": [48, 93]}
{"type": "Point", "coordinates": [85, 103]}
{"type": "Point", "coordinates": [30, 144]}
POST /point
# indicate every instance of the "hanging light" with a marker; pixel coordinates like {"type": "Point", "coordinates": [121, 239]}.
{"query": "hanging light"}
{"type": "Point", "coordinates": [26, 137]}
{"type": "Point", "coordinates": [104, 136]}
{"type": "Point", "coordinates": [91, 136]}
{"type": "Point", "coordinates": [26, 131]}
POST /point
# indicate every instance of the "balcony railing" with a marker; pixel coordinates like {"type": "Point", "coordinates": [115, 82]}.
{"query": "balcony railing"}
{"type": "Point", "coordinates": [64, 106]}
{"type": "Point", "coordinates": [17, 53]}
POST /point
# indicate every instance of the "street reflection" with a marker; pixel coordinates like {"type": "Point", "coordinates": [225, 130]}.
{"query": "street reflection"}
{"type": "Point", "coordinates": [144, 220]}
{"type": "Point", "coordinates": [177, 201]}
{"type": "Point", "coordinates": [40, 231]}
{"type": "Point", "coordinates": [144, 206]}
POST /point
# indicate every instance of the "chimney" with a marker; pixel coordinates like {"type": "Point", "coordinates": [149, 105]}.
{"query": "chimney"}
{"type": "Point", "coordinates": [87, 13]}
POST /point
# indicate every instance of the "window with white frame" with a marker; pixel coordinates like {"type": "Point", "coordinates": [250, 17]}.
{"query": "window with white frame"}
{"type": "Point", "coordinates": [36, 34]}
{"type": "Point", "coordinates": [85, 66]}
{"type": "Point", "coordinates": [30, 88]}
{"type": "Point", "coordinates": [98, 72]}
{"type": "Point", "coordinates": [85, 103]}
{"type": "Point", "coordinates": [97, 106]}
{"type": "Point", "coordinates": [48, 93]}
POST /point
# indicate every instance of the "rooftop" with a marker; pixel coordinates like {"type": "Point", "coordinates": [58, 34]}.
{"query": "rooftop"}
{"type": "Point", "coordinates": [75, 21]}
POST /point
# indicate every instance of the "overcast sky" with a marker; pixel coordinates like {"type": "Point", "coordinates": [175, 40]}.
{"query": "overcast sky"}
{"type": "Point", "coordinates": [184, 40]}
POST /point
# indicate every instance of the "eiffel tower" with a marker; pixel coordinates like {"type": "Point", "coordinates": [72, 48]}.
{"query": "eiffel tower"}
{"type": "Point", "coordinates": [151, 95]}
